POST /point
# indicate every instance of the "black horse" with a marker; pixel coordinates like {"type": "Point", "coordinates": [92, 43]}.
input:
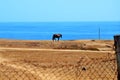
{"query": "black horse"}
{"type": "Point", "coordinates": [56, 36]}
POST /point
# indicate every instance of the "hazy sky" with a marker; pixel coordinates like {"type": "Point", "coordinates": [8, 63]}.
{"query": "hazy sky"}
{"type": "Point", "coordinates": [59, 10]}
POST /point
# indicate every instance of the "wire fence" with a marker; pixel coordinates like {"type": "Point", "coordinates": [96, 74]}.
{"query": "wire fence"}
{"type": "Point", "coordinates": [84, 69]}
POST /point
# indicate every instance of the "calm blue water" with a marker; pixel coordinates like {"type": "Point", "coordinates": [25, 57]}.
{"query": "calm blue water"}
{"type": "Point", "coordinates": [70, 30]}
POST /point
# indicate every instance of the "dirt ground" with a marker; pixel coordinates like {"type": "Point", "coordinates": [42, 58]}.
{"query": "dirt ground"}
{"type": "Point", "coordinates": [63, 60]}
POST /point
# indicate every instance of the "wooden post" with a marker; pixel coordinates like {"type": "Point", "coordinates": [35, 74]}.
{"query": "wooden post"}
{"type": "Point", "coordinates": [117, 51]}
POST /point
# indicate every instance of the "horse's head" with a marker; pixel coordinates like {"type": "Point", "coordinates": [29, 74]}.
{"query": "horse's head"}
{"type": "Point", "coordinates": [53, 37]}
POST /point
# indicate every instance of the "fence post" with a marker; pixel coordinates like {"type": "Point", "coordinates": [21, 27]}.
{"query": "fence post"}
{"type": "Point", "coordinates": [117, 51]}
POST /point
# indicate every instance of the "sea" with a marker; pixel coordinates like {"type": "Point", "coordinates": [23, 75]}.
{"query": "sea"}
{"type": "Point", "coordinates": [69, 30]}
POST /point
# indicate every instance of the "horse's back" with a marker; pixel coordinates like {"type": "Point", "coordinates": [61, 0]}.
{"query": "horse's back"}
{"type": "Point", "coordinates": [58, 35]}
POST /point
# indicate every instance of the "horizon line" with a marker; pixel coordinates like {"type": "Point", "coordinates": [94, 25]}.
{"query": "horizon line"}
{"type": "Point", "coordinates": [55, 21]}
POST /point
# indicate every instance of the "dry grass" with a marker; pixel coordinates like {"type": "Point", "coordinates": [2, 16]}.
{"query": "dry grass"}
{"type": "Point", "coordinates": [96, 56]}
{"type": "Point", "coordinates": [74, 44]}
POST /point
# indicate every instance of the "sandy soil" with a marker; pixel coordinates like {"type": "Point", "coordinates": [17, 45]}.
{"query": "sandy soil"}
{"type": "Point", "coordinates": [63, 60]}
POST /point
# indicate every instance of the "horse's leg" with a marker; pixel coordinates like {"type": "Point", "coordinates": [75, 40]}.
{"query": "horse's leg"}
{"type": "Point", "coordinates": [58, 39]}
{"type": "Point", "coordinates": [55, 39]}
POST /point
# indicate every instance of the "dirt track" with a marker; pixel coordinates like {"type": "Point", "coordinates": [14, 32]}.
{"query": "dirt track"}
{"type": "Point", "coordinates": [33, 49]}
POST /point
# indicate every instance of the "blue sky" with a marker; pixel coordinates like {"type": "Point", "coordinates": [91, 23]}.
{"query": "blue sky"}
{"type": "Point", "coordinates": [59, 10]}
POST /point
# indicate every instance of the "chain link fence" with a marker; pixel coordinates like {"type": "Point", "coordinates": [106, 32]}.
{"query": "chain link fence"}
{"type": "Point", "coordinates": [84, 69]}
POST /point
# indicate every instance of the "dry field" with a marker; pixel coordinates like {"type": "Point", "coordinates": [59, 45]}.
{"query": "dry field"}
{"type": "Point", "coordinates": [63, 60]}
